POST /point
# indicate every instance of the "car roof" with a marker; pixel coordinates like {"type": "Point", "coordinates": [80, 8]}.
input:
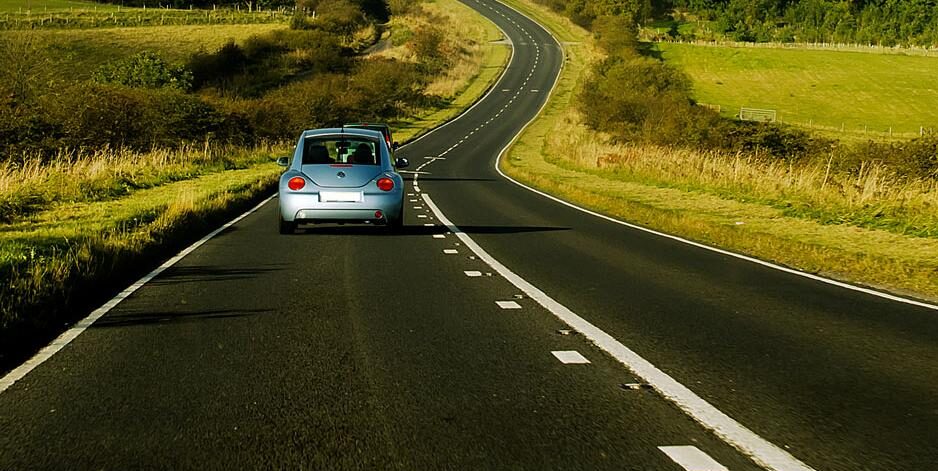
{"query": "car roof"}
{"type": "Point", "coordinates": [385, 129]}
{"type": "Point", "coordinates": [376, 125]}
{"type": "Point", "coordinates": [343, 131]}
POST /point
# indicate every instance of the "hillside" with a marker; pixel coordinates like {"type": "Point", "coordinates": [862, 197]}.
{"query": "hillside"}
{"type": "Point", "coordinates": [850, 95]}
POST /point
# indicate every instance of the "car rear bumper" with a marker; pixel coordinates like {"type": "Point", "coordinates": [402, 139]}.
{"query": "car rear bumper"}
{"type": "Point", "coordinates": [307, 208]}
{"type": "Point", "coordinates": [338, 215]}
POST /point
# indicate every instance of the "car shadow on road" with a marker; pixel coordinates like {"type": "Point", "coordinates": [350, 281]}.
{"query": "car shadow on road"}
{"type": "Point", "coordinates": [383, 231]}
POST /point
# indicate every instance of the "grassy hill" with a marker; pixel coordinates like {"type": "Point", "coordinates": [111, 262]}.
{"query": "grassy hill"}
{"type": "Point", "coordinates": [77, 53]}
{"type": "Point", "coordinates": [864, 94]}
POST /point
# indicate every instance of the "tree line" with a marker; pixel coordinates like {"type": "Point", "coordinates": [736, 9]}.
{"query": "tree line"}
{"type": "Point", "coordinates": [881, 22]}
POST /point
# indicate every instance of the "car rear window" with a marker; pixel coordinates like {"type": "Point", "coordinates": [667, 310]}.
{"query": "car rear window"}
{"type": "Point", "coordinates": [344, 150]}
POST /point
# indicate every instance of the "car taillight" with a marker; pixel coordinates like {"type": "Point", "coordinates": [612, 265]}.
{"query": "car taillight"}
{"type": "Point", "coordinates": [385, 184]}
{"type": "Point", "coordinates": [296, 183]}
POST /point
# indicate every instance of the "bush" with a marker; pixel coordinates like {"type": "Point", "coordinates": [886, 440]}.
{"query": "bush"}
{"type": "Point", "coordinates": [217, 67]}
{"type": "Point", "coordinates": [97, 115]}
{"type": "Point", "coordinates": [26, 130]}
{"type": "Point", "coordinates": [339, 17]}
{"type": "Point", "coordinates": [917, 158]}
{"type": "Point", "coordinates": [146, 70]}
{"type": "Point", "coordinates": [383, 89]}
{"type": "Point", "coordinates": [428, 44]}
{"type": "Point", "coordinates": [616, 34]}
{"type": "Point", "coordinates": [628, 97]}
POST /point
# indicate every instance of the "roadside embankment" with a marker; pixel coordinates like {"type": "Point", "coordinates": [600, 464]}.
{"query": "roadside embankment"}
{"type": "Point", "coordinates": [871, 228]}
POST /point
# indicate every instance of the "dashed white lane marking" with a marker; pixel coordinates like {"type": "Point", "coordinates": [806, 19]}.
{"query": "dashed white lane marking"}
{"type": "Point", "coordinates": [418, 207]}
{"type": "Point", "coordinates": [570, 357]}
{"type": "Point", "coordinates": [450, 251]}
{"type": "Point", "coordinates": [429, 225]}
{"type": "Point", "coordinates": [691, 458]}
{"type": "Point", "coordinates": [508, 304]}
{"type": "Point", "coordinates": [414, 200]}
{"type": "Point", "coordinates": [62, 340]}
{"type": "Point", "coordinates": [472, 273]}
{"type": "Point", "coordinates": [422, 216]}
{"type": "Point", "coordinates": [439, 236]}
{"type": "Point", "coordinates": [729, 430]}
{"type": "Point", "coordinates": [734, 433]}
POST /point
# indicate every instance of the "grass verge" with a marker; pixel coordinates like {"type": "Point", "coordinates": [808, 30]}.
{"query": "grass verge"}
{"type": "Point", "coordinates": [676, 197]}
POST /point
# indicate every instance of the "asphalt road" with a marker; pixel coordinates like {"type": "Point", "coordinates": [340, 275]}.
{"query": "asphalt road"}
{"type": "Point", "coordinates": [348, 348]}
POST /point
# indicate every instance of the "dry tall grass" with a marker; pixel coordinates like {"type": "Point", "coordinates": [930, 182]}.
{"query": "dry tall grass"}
{"type": "Point", "coordinates": [33, 183]}
{"type": "Point", "coordinates": [873, 197]}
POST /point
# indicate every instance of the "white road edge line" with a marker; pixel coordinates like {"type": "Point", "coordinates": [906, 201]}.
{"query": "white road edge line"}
{"type": "Point", "coordinates": [829, 281]}
{"type": "Point", "coordinates": [726, 428]}
{"type": "Point", "coordinates": [692, 458]}
{"type": "Point", "coordinates": [65, 338]}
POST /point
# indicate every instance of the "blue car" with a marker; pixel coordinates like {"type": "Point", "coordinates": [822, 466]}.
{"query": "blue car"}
{"type": "Point", "coordinates": [341, 175]}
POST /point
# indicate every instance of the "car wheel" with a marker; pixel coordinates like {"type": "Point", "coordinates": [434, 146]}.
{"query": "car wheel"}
{"type": "Point", "coordinates": [396, 225]}
{"type": "Point", "coordinates": [287, 227]}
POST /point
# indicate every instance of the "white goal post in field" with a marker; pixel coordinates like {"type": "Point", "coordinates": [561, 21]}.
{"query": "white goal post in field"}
{"type": "Point", "coordinates": [755, 114]}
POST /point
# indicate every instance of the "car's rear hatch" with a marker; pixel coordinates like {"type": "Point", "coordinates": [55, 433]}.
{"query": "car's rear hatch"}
{"type": "Point", "coordinates": [341, 175]}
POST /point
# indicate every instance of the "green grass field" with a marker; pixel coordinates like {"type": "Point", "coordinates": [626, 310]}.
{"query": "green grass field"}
{"type": "Point", "coordinates": [865, 94]}
{"type": "Point", "coordinates": [49, 5]}
{"type": "Point", "coordinates": [76, 14]}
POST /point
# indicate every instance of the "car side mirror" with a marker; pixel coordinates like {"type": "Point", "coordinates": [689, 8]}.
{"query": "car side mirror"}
{"type": "Point", "coordinates": [283, 161]}
{"type": "Point", "coordinates": [401, 163]}
{"type": "Point", "coordinates": [395, 145]}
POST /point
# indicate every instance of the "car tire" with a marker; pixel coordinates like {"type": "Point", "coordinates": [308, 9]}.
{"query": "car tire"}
{"type": "Point", "coordinates": [287, 227]}
{"type": "Point", "coordinates": [396, 225]}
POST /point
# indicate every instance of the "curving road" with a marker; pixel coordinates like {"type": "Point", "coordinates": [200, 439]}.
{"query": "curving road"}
{"type": "Point", "coordinates": [346, 348]}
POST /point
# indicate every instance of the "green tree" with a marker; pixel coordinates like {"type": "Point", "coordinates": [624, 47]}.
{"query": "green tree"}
{"type": "Point", "coordinates": [144, 70]}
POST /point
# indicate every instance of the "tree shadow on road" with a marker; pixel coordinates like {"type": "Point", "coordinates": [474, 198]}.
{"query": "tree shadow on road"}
{"type": "Point", "coordinates": [139, 318]}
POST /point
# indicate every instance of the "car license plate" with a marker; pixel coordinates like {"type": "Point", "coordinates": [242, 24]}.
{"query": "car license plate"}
{"type": "Point", "coordinates": [340, 197]}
